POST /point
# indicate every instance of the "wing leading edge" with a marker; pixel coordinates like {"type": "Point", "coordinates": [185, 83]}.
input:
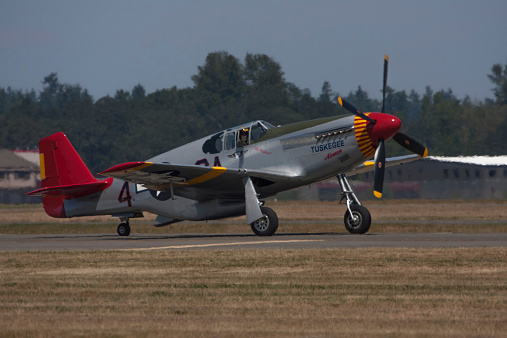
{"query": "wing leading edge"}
{"type": "Point", "coordinates": [202, 183]}
{"type": "Point", "coordinates": [158, 175]}
{"type": "Point", "coordinates": [192, 181]}
{"type": "Point", "coordinates": [390, 162]}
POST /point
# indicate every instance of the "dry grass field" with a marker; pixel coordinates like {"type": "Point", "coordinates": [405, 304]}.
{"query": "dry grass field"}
{"type": "Point", "coordinates": [255, 293]}
{"type": "Point", "coordinates": [296, 217]}
{"type": "Point", "coordinates": [387, 292]}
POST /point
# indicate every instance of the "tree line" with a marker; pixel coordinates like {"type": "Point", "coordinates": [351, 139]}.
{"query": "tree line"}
{"type": "Point", "coordinates": [135, 125]}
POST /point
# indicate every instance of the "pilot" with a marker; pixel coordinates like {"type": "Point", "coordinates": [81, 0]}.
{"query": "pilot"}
{"type": "Point", "coordinates": [243, 138]}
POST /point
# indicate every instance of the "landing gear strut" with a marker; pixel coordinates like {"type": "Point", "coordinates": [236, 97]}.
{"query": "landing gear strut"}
{"type": "Point", "coordinates": [357, 219]}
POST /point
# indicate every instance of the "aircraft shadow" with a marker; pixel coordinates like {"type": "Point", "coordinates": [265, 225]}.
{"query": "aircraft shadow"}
{"type": "Point", "coordinates": [211, 236]}
{"type": "Point", "coordinates": [145, 237]}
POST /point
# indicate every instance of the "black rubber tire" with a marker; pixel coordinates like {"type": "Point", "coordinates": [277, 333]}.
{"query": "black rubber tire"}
{"type": "Point", "coordinates": [123, 229]}
{"type": "Point", "coordinates": [363, 222]}
{"type": "Point", "coordinates": [267, 225]}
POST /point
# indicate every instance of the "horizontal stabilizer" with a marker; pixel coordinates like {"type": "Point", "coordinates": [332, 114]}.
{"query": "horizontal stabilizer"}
{"type": "Point", "coordinates": [73, 190]}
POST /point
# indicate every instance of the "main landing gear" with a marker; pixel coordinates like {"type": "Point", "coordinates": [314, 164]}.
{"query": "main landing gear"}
{"type": "Point", "coordinates": [262, 220]}
{"type": "Point", "coordinates": [357, 219]}
{"type": "Point", "coordinates": [124, 228]}
{"type": "Point", "coordinates": [267, 224]}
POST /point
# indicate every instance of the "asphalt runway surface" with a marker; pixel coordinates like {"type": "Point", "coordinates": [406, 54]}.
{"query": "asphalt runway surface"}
{"type": "Point", "coordinates": [151, 242]}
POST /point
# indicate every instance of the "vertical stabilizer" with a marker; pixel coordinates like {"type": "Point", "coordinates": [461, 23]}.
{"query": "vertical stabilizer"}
{"type": "Point", "coordinates": [60, 162]}
{"type": "Point", "coordinates": [63, 175]}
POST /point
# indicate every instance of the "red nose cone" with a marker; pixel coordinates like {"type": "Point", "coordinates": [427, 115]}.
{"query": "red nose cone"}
{"type": "Point", "coordinates": [385, 127]}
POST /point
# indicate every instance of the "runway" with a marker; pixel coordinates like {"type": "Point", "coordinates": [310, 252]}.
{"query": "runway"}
{"type": "Point", "coordinates": [151, 242]}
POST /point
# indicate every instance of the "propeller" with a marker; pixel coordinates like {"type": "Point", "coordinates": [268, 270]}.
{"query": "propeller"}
{"type": "Point", "coordinates": [380, 153]}
{"type": "Point", "coordinates": [384, 87]}
{"type": "Point", "coordinates": [354, 110]}
{"type": "Point", "coordinates": [410, 144]}
{"type": "Point", "coordinates": [384, 126]}
{"type": "Point", "coordinates": [380, 168]}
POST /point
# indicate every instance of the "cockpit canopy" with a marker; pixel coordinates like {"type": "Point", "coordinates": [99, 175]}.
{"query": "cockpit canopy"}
{"type": "Point", "coordinates": [230, 139]}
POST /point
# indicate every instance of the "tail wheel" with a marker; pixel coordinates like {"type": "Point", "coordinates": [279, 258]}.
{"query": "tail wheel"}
{"type": "Point", "coordinates": [360, 220]}
{"type": "Point", "coordinates": [123, 229]}
{"type": "Point", "coordinates": [267, 224]}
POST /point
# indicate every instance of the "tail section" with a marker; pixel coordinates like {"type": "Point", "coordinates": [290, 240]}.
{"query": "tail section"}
{"type": "Point", "coordinates": [60, 163]}
{"type": "Point", "coordinates": [63, 175]}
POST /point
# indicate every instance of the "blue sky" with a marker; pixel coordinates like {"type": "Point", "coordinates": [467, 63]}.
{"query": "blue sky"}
{"type": "Point", "coordinates": [109, 45]}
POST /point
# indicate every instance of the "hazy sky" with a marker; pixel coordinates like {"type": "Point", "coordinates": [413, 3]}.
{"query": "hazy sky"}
{"type": "Point", "coordinates": [109, 45]}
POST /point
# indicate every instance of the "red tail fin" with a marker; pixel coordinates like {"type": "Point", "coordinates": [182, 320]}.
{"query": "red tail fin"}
{"type": "Point", "coordinates": [63, 175]}
{"type": "Point", "coordinates": [60, 163]}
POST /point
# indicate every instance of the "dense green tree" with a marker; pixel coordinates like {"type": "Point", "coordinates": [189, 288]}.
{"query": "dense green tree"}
{"type": "Point", "coordinates": [122, 95]}
{"type": "Point", "coordinates": [499, 78]}
{"type": "Point", "coordinates": [326, 93]}
{"type": "Point", "coordinates": [137, 125]}
{"type": "Point", "coordinates": [441, 123]}
{"type": "Point", "coordinates": [362, 101]}
{"type": "Point", "coordinates": [266, 88]}
{"type": "Point", "coordinates": [414, 107]}
{"type": "Point", "coordinates": [261, 71]}
{"type": "Point", "coordinates": [221, 75]}
{"type": "Point", "coordinates": [138, 92]}
{"type": "Point", "coordinates": [51, 88]}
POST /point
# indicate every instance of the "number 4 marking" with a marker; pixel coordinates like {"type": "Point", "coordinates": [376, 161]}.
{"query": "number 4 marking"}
{"type": "Point", "coordinates": [125, 195]}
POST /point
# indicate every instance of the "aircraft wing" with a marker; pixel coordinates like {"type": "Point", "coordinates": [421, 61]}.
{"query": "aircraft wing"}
{"type": "Point", "coordinates": [190, 181]}
{"type": "Point", "coordinates": [390, 161]}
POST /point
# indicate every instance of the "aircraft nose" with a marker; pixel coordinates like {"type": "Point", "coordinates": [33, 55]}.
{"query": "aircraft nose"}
{"type": "Point", "coordinates": [385, 128]}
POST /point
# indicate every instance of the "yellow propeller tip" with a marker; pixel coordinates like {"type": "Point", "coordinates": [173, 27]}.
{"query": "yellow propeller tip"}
{"type": "Point", "coordinates": [340, 101]}
{"type": "Point", "coordinates": [377, 194]}
{"type": "Point", "coordinates": [425, 152]}
{"type": "Point", "coordinates": [386, 57]}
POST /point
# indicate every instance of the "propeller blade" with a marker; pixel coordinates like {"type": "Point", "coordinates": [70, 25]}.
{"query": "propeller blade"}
{"type": "Point", "coordinates": [380, 161]}
{"type": "Point", "coordinates": [384, 88]}
{"type": "Point", "coordinates": [354, 110]}
{"type": "Point", "coordinates": [410, 144]}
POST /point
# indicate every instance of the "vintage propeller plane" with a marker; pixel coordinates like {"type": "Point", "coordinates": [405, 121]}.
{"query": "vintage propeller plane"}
{"type": "Point", "coordinates": [227, 174]}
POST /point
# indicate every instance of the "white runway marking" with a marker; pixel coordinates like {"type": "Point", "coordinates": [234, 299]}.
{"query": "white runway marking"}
{"type": "Point", "coordinates": [189, 246]}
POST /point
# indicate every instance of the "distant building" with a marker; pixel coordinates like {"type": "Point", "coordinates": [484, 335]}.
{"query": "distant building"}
{"type": "Point", "coordinates": [29, 155]}
{"type": "Point", "coordinates": [457, 177]}
{"type": "Point", "coordinates": [19, 174]}
{"type": "Point", "coordinates": [433, 178]}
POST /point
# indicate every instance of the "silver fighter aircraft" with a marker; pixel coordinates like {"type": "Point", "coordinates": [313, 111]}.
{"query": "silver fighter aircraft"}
{"type": "Point", "coordinates": [228, 173]}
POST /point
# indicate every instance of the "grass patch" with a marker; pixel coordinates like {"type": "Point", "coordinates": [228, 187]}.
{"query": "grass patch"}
{"type": "Point", "coordinates": [481, 216]}
{"type": "Point", "coordinates": [361, 292]}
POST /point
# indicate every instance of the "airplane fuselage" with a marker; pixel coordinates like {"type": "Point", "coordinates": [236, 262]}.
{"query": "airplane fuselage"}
{"type": "Point", "coordinates": [225, 174]}
{"type": "Point", "coordinates": [307, 152]}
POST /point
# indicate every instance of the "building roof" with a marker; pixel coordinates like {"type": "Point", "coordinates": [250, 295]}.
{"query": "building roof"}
{"type": "Point", "coordinates": [10, 161]}
{"type": "Point", "coordinates": [474, 160]}
{"type": "Point", "coordinates": [29, 155]}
